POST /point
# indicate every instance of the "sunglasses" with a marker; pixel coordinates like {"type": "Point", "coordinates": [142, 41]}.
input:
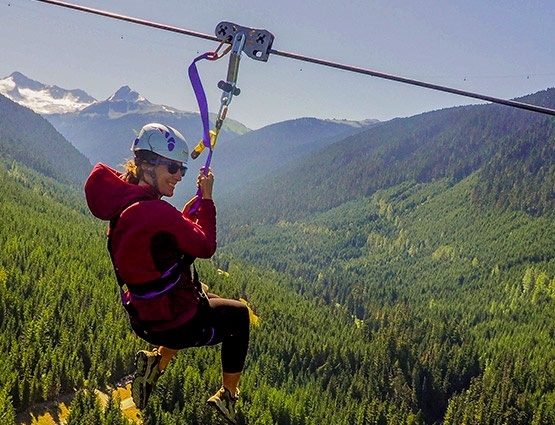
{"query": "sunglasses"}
{"type": "Point", "coordinates": [173, 167]}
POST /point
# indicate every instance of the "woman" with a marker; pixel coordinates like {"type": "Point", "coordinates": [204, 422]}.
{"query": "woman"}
{"type": "Point", "coordinates": [153, 246]}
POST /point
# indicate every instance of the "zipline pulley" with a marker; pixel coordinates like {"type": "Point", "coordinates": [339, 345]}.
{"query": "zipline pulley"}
{"type": "Point", "coordinates": [256, 44]}
{"type": "Point", "coordinates": [229, 87]}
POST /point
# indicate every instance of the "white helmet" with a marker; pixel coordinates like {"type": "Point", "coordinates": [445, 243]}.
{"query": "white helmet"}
{"type": "Point", "coordinates": [163, 140]}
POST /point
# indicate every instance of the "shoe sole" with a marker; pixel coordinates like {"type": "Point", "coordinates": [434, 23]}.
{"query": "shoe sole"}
{"type": "Point", "coordinates": [139, 382]}
{"type": "Point", "coordinates": [221, 410]}
{"type": "Point", "coordinates": [141, 362]}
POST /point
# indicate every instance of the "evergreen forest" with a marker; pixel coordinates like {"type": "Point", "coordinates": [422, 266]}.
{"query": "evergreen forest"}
{"type": "Point", "coordinates": [406, 276]}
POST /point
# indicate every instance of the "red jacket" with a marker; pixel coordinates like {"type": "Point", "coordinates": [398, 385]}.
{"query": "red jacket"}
{"type": "Point", "coordinates": [151, 234]}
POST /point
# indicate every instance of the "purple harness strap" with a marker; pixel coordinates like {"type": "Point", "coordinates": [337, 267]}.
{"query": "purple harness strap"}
{"type": "Point", "coordinates": [148, 296]}
{"type": "Point", "coordinates": [126, 296]}
{"type": "Point", "coordinates": [203, 107]}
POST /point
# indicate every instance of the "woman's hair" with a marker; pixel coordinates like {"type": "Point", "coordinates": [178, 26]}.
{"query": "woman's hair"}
{"type": "Point", "coordinates": [132, 170]}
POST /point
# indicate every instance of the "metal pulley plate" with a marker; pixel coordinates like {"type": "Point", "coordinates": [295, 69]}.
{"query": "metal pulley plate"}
{"type": "Point", "coordinates": [258, 42]}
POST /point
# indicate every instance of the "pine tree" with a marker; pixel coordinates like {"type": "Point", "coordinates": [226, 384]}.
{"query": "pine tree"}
{"type": "Point", "coordinates": [7, 412]}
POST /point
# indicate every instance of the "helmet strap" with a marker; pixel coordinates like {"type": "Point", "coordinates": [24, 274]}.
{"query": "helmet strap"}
{"type": "Point", "coordinates": [151, 173]}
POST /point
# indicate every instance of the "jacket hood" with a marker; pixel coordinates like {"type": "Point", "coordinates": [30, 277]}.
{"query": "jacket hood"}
{"type": "Point", "coordinates": [108, 195]}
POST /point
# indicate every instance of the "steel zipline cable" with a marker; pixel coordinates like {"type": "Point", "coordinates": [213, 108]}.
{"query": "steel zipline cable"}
{"type": "Point", "coordinates": [358, 70]}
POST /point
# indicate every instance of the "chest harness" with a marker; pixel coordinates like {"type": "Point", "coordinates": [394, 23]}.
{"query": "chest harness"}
{"type": "Point", "coordinates": [165, 283]}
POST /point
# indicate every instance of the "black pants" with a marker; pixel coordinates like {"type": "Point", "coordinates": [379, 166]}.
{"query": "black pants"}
{"type": "Point", "coordinates": [223, 321]}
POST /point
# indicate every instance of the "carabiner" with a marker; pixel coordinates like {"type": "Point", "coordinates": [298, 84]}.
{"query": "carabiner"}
{"type": "Point", "coordinates": [215, 56]}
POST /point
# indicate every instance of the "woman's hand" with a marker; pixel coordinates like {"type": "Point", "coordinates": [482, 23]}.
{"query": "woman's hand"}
{"type": "Point", "coordinates": [205, 182]}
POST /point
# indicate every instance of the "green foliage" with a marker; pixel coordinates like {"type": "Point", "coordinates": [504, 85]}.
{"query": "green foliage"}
{"type": "Point", "coordinates": [29, 139]}
{"type": "Point", "coordinates": [86, 409]}
{"type": "Point", "coordinates": [514, 149]}
{"type": "Point", "coordinates": [470, 289]}
{"type": "Point", "coordinates": [58, 307]}
{"type": "Point", "coordinates": [401, 287]}
{"type": "Point", "coordinates": [62, 326]}
{"type": "Point", "coordinates": [7, 412]}
{"type": "Point", "coordinates": [113, 414]}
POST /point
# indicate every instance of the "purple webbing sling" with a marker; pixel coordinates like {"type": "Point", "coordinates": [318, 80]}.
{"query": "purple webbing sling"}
{"type": "Point", "coordinates": [203, 108]}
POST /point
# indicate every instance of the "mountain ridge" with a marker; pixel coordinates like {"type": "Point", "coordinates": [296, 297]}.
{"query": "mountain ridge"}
{"type": "Point", "coordinates": [42, 98]}
{"type": "Point", "coordinates": [28, 138]}
{"type": "Point", "coordinates": [98, 129]}
{"type": "Point", "coordinates": [450, 143]}
{"type": "Point", "coordinates": [262, 152]}
{"type": "Point", "coordinates": [104, 130]}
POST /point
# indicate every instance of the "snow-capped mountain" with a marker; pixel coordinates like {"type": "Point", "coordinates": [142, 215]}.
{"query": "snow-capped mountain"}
{"type": "Point", "coordinates": [104, 130]}
{"type": "Point", "coordinates": [41, 98]}
{"type": "Point", "coordinates": [123, 102]}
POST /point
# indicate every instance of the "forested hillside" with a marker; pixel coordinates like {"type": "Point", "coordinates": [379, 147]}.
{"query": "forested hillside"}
{"type": "Point", "coordinates": [393, 281]}
{"type": "Point", "coordinates": [58, 317]}
{"type": "Point", "coordinates": [275, 147]}
{"type": "Point", "coordinates": [29, 139]}
{"type": "Point", "coordinates": [479, 280]}
{"type": "Point", "coordinates": [62, 329]}
{"type": "Point", "coordinates": [447, 215]}
{"type": "Point", "coordinates": [513, 149]}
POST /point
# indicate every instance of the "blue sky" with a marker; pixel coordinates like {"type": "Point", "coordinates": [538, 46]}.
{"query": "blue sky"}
{"type": "Point", "coordinates": [497, 48]}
